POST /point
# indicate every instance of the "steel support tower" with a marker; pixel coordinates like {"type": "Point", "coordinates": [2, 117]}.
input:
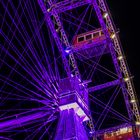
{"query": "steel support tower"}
{"type": "Point", "coordinates": [72, 93]}
{"type": "Point", "coordinates": [124, 78]}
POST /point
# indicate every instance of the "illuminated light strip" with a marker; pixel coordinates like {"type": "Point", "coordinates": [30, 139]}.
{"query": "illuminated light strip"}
{"type": "Point", "coordinates": [123, 64]}
{"type": "Point", "coordinates": [67, 5]}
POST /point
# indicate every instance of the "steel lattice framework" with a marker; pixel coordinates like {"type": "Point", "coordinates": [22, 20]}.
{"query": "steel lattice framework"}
{"type": "Point", "coordinates": [69, 95]}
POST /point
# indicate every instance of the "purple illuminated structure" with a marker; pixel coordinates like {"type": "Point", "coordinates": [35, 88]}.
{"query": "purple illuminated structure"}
{"type": "Point", "coordinates": [73, 95]}
{"type": "Point", "coordinates": [64, 76]}
{"type": "Point", "coordinates": [73, 104]}
{"type": "Point", "coordinates": [71, 128]}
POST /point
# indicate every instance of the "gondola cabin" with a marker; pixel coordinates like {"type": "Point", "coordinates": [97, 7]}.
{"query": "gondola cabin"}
{"type": "Point", "coordinates": [95, 36]}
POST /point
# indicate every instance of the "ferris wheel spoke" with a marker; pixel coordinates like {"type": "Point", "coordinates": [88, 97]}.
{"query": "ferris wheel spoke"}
{"type": "Point", "coordinates": [19, 64]}
{"type": "Point", "coordinates": [95, 66]}
{"type": "Point", "coordinates": [7, 11]}
{"type": "Point", "coordinates": [105, 111]}
{"type": "Point", "coordinates": [79, 26]}
{"type": "Point", "coordinates": [21, 120]}
{"type": "Point", "coordinates": [17, 96]}
{"type": "Point", "coordinates": [75, 24]}
{"type": "Point", "coordinates": [46, 130]}
{"type": "Point", "coordinates": [21, 88]}
{"type": "Point", "coordinates": [14, 23]}
{"type": "Point", "coordinates": [4, 117]}
{"type": "Point", "coordinates": [25, 130]}
{"type": "Point", "coordinates": [26, 33]}
{"type": "Point", "coordinates": [99, 67]}
{"type": "Point", "coordinates": [55, 59]}
{"type": "Point", "coordinates": [86, 24]}
{"type": "Point", "coordinates": [110, 109]}
{"type": "Point", "coordinates": [26, 68]}
{"type": "Point", "coordinates": [37, 33]}
{"type": "Point", "coordinates": [39, 129]}
{"type": "Point", "coordinates": [109, 116]}
{"type": "Point", "coordinates": [37, 124]}
{"type": "Point", "coordinates": [43, 43]}
{"type": "Point", "coordinates": [4, 15]}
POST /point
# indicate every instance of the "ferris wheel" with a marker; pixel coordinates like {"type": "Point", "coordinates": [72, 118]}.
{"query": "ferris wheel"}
{"type": "Point", "coordinates": [64, 75]}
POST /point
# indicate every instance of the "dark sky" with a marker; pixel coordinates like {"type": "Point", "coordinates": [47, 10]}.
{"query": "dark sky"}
{"type": "Point", "coordinates": [126, 17]}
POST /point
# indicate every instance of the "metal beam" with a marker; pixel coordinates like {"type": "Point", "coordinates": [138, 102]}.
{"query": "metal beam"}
{"type": "Point", "coordinates": [21, 120]}
{"type": "Point", "coordinates": [114, 46]}
{"type": "Point", "coordinates": [55, 35]}
{"type": "Point", "coordinates": [68, 5]}
{"type": "Point", "coordinates": [70, 127]}
{"type": "Point", "coordinates": [65, 40]}
{"type": "Point", "coordinates": [105, 85]}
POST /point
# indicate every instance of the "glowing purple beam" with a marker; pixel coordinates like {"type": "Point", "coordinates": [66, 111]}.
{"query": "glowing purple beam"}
{"type": "Point", "coordinates": [68, 5]}
{"type": "Point", "coordinates": [105, 111]}
{"type": "Point", "coordinates": [20, 87]}
{"type": "Point", "coordinates": [26, 69]}
{"type": "Point", "coordinates": [81, 22]}
{"type": "Point", "coordinates": [40, 38]}
{"type": "Point", "coordinates": [110, 109]}
{"type": "Point", "coordinates": [100, 67]}
{"type": "Point", "coordinates": [21, 121]}
{"type": "Point", "coordinates": [57, 40]}
{"type": "Point", "coordinates": [77, 19]}
{"type": "Point", "coordinates": [50, 118]}
{"type": "Point", "coordinates": [102, 86]}
{"type": "Point", "coordinates": [25, 32]}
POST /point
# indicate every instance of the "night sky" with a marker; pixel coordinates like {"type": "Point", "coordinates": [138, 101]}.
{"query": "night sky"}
{"type": "Point", "coordinates": [126, 17]}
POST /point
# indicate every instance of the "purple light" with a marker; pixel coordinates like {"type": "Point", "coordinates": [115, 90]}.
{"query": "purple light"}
{"type": "Point", "coordinates": [73, 123]}
{"type": "Point", "coordinates": [68, 50]}
{"type": "Point", "coordinates": [72, 75]}
{"type": "Point", "coordinates": [79, 85]}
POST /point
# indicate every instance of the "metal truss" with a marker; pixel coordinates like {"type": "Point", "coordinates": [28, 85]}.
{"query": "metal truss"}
{"type": "Point", "coordinates": [120, 64]}
{"type": "Point", "coordinates": [123, 64]}
{"type": "Point", "coordinates": [65, 39]}
{"type": "Point", "coordinates": [67, 5]}
{"type": "Point", "coordinates": [22, 120]}
{"type": "Point", "coordinates": [103, 86]}
{"type": "Point", "coordinates": [56, 37]}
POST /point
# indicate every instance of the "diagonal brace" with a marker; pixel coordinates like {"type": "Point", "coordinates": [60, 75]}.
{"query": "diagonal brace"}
{"type": "Point", "coordinates": [105, 85]}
